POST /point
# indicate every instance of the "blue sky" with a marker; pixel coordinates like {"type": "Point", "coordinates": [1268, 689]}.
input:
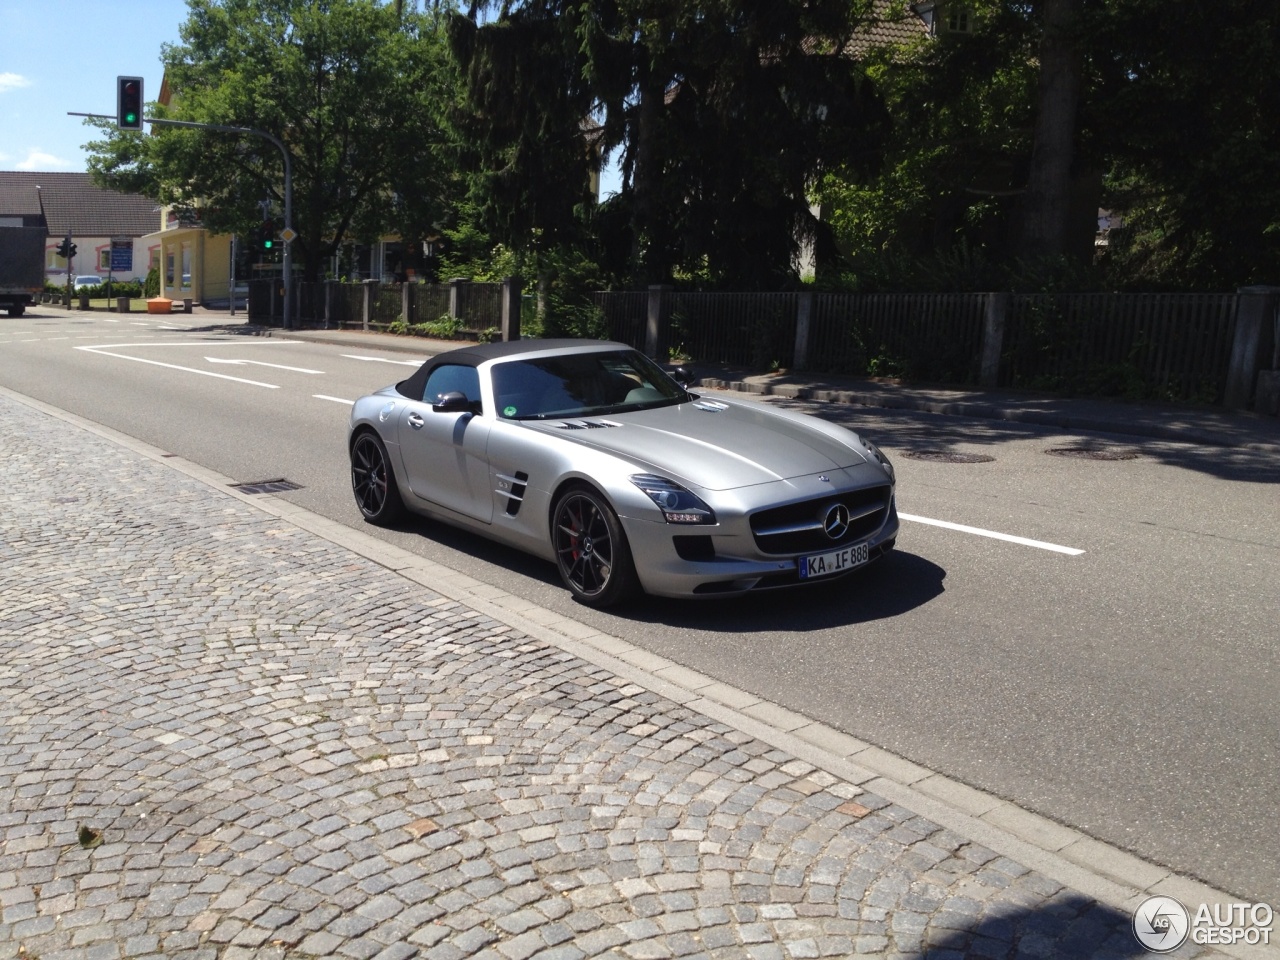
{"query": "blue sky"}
{"type": "Point", "coordinates": [65, 55]}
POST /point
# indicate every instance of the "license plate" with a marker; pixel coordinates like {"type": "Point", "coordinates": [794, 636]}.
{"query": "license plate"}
{"type": "Point", "coordinates": [837, 561]}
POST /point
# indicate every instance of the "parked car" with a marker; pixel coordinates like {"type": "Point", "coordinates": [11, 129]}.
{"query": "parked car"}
{"type": "Point", "coordinates": [86, 281]}
{"type": "Point", "coordinates": [588, 454]}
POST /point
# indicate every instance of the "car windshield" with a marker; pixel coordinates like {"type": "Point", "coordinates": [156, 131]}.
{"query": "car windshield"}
{"type": "Point", "coordinates": [582, 384]}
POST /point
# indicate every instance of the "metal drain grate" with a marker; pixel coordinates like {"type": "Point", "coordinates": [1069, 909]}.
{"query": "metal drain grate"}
{"type": "Point", "coordinates": [1092, 453]}
{"type": "Point", "coordinates": [948, 456]}
{"type": "Point", "coordinates": [279, 485]}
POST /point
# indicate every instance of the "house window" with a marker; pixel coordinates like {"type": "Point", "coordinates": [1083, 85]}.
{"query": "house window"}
{"type": "Point", "coordinates": [958, 19]}
{"type": "Point", "coordinates": [104, 260]}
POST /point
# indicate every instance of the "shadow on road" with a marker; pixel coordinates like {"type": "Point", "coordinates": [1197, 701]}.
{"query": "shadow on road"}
{"type": "Point", "coordinates": [898, 584]}
{"type": "Point", "coordinates": [907, 432]}
{"type": "Point", "coordinates": [1070, 926]}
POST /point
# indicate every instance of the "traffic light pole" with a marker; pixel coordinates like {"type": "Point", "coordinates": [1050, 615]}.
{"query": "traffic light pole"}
{"type": "Point", "coordinates": [288, 194]}
{"type": "Point", "coordinates": [288, 199]}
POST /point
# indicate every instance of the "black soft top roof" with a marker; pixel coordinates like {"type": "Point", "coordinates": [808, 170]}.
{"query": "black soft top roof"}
{"type": "Point", "coordinates": [476, 354]}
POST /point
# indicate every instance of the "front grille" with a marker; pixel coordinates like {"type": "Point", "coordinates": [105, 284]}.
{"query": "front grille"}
{"type": "Point", "coordinates": [798, 527]}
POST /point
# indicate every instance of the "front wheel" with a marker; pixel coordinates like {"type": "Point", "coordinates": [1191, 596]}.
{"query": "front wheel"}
{"type": "Point", "coordinates": [591, 549]}
{"type": "Point", "coordinates": [374, 482]}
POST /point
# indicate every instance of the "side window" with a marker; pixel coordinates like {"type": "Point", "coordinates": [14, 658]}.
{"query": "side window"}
{"type": "Point", "coordinates": [451, 378]}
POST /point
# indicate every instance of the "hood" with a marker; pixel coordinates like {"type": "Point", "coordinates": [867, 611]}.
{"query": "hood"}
{"type": "Point", "coordinates": [714, 445]}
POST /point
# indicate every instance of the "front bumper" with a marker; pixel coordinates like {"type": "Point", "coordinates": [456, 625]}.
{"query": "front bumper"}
{"type": "Point", "coordinates": [675, 561]}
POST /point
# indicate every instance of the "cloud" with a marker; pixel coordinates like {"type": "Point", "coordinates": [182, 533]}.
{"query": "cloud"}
{"type": "Point", "coordinates": [12, 81]}
{"type": "Point", "coordinates": [39, 160]}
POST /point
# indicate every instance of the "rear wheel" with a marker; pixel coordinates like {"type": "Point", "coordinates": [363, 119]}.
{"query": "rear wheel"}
{"type": "Point", "coordinates": [373, 481]}
{"type": "Point", "coordinates": [17, 309]}
{"type": "Point", "coordinates": [591, 549]}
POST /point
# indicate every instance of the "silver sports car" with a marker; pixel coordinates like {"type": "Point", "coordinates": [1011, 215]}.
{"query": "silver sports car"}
{"type": "Point", "coordinates": [588, 454]}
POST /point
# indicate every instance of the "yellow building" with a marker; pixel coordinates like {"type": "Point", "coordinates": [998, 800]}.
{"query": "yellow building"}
{"type": "Point", "coordinates": [194, 263]}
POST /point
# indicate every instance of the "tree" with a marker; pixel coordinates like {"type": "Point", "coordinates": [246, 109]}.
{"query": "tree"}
{"type": "Point", "coordinates": [1007, 138]}
{"type": "Point", "coordinates": [1191, 118]}
{"type": "Point", "coordinates": [1047, 202]}
{"type": "Point", "coordinates": [351, 87]}
{"type": "Point", "coordinates": [724, 113]}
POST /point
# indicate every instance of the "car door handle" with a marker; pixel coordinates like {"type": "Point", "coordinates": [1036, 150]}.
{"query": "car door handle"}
{"type": "Point", "coordinates": [416, 421]}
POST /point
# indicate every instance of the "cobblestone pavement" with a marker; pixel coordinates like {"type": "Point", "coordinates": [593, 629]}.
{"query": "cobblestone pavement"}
{"type": "Point", "coordinates": [221, 736]}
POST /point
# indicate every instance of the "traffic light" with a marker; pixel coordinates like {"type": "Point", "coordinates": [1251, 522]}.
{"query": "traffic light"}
{"type": "Point", "coordinates": [129, 103]}
{"type": "Point", "coordinates": [267, 235]}
{"type": "Point", "coordinates": [66, 249]}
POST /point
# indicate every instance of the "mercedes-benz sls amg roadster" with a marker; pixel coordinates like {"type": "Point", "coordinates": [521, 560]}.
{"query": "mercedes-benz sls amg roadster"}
{"type": "Point", "coordinates": [590, 455]}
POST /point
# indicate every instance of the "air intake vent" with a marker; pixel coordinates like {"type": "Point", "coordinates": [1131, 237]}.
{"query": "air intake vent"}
{"type": "Point", "coordinates": [584, 424]}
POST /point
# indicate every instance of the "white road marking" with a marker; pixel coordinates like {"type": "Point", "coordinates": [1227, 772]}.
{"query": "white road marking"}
{"type": "Point", "coordinates": [321, 396]}
{"type": "Point", "coordinates": [173, 366]}
{"type": "Point", "coordinates": [109, 320]}
{"type": "Point", "coordinates": [405, 363]}
{"type": "Point", "coordinates": [192, 343]}
{"type": "Point", "coordinates": [978, 531]}
{"type": "Point", "coordinates": [260, 363]}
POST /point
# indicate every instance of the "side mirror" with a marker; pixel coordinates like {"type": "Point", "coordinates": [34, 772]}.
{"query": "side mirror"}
{"type": "Point", "coordinates": [684, 376]}
{"type": "Point", "coordinates": [452, 402]}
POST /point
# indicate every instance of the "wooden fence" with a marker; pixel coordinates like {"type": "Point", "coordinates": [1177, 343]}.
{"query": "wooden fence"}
{"type": "Point", "coordinates": [462, 309]}
{"type": "Point", "coordinates": [1143, 346]}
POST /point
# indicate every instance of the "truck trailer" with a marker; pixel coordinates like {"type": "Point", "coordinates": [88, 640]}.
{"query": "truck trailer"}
{"type": "Point", "coordinates": [21, 266]}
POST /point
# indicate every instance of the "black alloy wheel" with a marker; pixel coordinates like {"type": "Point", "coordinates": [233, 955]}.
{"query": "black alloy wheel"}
{"type": "Point", "coordinates": [591, 549]}
{"type": "Point", "coordinates": [373, 482]}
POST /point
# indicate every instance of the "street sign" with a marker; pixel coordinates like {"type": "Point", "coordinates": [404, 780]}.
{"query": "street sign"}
{"type": "Point", "coordinates": [288, 235]}
{"type": "Point", "coordinates": [121, 256]}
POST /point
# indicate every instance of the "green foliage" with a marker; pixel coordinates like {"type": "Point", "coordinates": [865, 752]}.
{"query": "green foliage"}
{"type": "Point", "coordinates": [444, 327]}
{"type": "Point", "coordinates": [348, 86]}
{"type": "Point", "coordinates": [1179, 120]}
{"type": "Point", "coordinates": [117, 288]}
{"type": "Point", "coordinates": [1190, 111]}
{"type": "Point", "coordinates": [721, 117]}
{"type": "Point", "coordinates": [151, 286]}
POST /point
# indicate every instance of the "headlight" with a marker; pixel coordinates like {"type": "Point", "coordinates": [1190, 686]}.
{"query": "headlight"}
{"type": "Point", "coordinates": [677, 504]}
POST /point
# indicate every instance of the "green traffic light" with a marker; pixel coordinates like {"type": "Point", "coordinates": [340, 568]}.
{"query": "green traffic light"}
{"type": "Point", "coordinates": [268, 244]}
{"type": "Point", "coordinates": [130, 118]}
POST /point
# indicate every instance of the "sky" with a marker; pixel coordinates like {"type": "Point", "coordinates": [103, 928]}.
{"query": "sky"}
{"type": "Point", "coordinates": [65, 55]}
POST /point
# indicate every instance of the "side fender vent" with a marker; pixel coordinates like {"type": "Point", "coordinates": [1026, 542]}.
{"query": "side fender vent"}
{"type": "Point", "coordinates": [513, 489]}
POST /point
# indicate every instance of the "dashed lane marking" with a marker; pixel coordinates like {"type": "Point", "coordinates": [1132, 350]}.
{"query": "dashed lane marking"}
{"type": "Point", "coordinates": [979, 532]}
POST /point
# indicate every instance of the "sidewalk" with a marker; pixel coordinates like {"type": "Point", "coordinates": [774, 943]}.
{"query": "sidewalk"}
{"type": "Point", "coordinates": [233, 729]}
{"type": "Point", "coordinates": [1181, 423]}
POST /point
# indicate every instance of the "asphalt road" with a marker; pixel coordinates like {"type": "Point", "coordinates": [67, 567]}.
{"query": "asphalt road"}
{"type": "Point", "coordinates": [1129, 690]}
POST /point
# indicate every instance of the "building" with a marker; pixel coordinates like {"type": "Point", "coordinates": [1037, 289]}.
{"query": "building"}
{"type": "Point", "coordinates": [93, 217]}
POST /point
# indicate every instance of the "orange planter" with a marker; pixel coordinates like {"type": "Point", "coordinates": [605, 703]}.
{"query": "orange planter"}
{"type": "Point", "coordinates": [159, 305]}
